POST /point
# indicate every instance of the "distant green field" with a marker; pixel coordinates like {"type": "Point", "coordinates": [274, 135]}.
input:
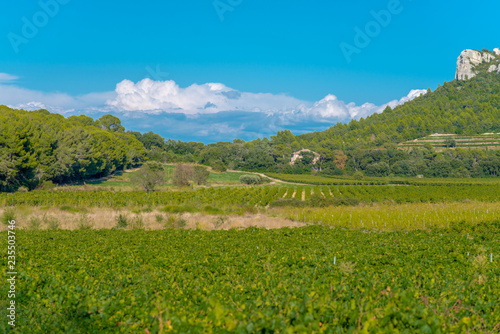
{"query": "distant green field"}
{"type": "Point", "coordinates": [123, 179]}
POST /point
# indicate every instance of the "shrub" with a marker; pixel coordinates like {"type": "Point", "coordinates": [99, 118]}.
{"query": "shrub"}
{"type": "Point", "coordinates": [85, 222]}
{"type": "Point", "coordinates": [218, 166]}
{"type": "Point", "coordinates": [23, 189]}
{"type": "Point", "coordinates": [150, 175]}
{"type": "Point", "coordinates": [122, 221]}
{"type": "Point", "coordinates": [175, 222]}
{"type": "Point", "coordinates": [358, 175]}
{"type": "Point", "coordinates": [46, 185]}
{"type": "Point", "coordinates": [51, 222]}
{"type": "Point", "coordinates": [181, 175]}
{"type": "Point", "coordinates": [170, 223]}
{"type": "Point", "coordinates": [250, 179]}
{"type": "Point", "coordinates": [137, 223]}
{"type": "Point", "coordinates": [211, 210]}
{"type": "Point", "coordinates": [317, 200]}
{"type": "Point", "coordinates": [200, 175]}
{"type": "Point", "coordinates": [7, 216]}
{"type": "Point", "coordinates": [219, 222]}
{"type": "Point", "coordinates": [35, 223]}
{"type": "Point", "coordinates": [378, 169]}
{"type": "Point", "coordinates": [180, 222]}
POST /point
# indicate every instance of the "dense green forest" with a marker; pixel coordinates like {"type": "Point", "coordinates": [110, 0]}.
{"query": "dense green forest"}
{"type": "Point", "coordinates": [39, 146]}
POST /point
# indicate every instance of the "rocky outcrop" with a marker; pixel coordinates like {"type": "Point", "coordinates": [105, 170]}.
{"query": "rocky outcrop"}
{"type": "Point", "coordinates": [298, 155]}
{"type": "Point", "coordinates": [470, 59]}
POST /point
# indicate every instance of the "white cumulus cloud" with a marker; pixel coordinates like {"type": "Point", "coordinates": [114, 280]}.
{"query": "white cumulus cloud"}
{"type": "Point", "coordinates": [197, 109]}
{"type": "Point", "coordinates": [156, 97]}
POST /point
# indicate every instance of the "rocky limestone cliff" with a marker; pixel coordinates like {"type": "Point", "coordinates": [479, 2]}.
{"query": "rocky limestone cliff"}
{"type": "Point", "coordinates": [469, 60]}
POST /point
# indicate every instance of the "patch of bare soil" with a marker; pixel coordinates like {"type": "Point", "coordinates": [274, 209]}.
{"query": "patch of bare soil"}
{"type": "Point", "coordinates": [106, 218]}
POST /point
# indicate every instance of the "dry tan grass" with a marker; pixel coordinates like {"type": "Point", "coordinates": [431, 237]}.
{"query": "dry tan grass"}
{"type": "Point", "coordinates": [103, 218]}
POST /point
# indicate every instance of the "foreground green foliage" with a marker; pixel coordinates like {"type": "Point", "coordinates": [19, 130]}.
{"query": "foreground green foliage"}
{"type": "Point", "coordinates": [311, 279]}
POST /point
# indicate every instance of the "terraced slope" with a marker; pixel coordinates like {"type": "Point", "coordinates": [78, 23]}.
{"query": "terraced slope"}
{"type": "Point", "coordinates": [485, 141]}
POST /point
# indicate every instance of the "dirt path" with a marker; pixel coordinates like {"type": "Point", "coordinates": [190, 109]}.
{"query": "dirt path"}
{"type": "Point", "coordinates": [274, 181]}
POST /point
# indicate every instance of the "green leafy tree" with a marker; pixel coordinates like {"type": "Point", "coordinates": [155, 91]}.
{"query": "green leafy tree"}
{"type": "Point", "coordinates": [200, 175]}
{"type": "Point", "coordinates": [150, 176]}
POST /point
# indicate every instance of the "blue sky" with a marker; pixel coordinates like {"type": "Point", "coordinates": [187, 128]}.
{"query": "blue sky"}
{"type": "Point", "coordinates": [284, 57]}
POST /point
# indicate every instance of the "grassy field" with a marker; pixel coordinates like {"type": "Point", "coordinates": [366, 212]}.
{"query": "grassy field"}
{"type": "Point", "coordinates": [123, 180]}
{"type": "Point", "coordinates": [285, 258]}
{"type": "Point", "coordinates": [305, 280]}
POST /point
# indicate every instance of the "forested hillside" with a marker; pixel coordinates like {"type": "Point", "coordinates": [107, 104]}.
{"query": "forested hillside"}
{"type": "Point", "coordinates": [461, 107]}
{"type": "Point", "coordinates": [39, 146]}
{"type": "Point", "coordinates": [370, 145]}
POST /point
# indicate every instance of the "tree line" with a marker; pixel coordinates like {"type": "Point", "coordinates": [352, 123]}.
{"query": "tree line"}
{"type": "Point", "coordinates": [39, 146]}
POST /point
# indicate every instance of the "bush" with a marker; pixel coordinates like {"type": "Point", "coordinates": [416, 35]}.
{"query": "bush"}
{"type": "Point", "coordinates": [250, 179]}
{"type": "Point", "coordinates": [8, 216]}
{"type": "Point", "coordinates": [181, 175]}
{"type": "Point", "coordinates": [200, 175]}
{"type": "Point", "coordinates": [23, 189]}
{"type": "Point", "coordinates": [137, 223]}
{"type": "Point", "coordinates": [358, 175]}
{"type": "Point", "coordinates": [218, 166]}
{"type": "Point", "coordinates": [318, 201]}
{"type": "Point", "coordinates": [35, 223]}
{"type": "Point", "coordinates": [150, 175]}
{"type": "Point", "coordinates": [51, 222]}
{"type": "Point", "coordinates": [121, 221]}
{"type": "Point", "coordinates": [85, 222]}
{"type": "Point", "coordinates": [175, 222]}
{"type": "Point", "coordinates": [46, 185]}
{"type": "Point", "coordinates": [219, 222]}
{"type": "Point", "coordinates": [378, 169]}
